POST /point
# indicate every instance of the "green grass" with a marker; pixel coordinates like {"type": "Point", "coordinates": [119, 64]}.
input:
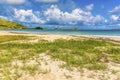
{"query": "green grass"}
{"type": "Point", "coordinates": [88, 53]}
{"type": "Point", "coordinates": [30, 69]}
{"type": "Point", "coordinates": [6, 25]}
{"type": "Point", "coordinates": [11, 38]}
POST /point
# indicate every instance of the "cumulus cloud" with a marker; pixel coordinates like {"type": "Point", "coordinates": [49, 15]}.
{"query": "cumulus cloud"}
{"type": "Point", "coordinates": [13, 2]}
{"type": "Point", "coordinates": [26, 16]}
{"type": "Point", "coordinates": [77, 16]}
{"type": "Point", "coordinates": [115, 15]}
{"type": "Point", "coordinates": [116, 10]}
{"type": "Point", "coordinates": [47, 1]}
{"type": "Point", "coordinates": [55, 15]}
{"type": "Point", "coordinates": [95, 20]}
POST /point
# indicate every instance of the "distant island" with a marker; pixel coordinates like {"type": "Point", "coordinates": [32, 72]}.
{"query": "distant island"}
{"type": "Point", "coordinates": [9, 25]}
{"type": "Point", "coordinates": [72, 29]}
{"type": "Point", "coordinates": [38, 28]}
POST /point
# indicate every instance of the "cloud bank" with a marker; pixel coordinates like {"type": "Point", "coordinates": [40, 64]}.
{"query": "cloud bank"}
{"type": "Point", "coordinates": [47, 1]}
{"type": "Point", "coordinates": [77, 16]}
{"type": "Point", "coordinates": [13, 2]}
{"type": "Point", "coordinates": [54, 15]}
{"type": "Point", "coordinates": [26, 16]}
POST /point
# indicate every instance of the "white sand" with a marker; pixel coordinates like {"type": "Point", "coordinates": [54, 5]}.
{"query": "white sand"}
{"type": "Point", "coordinates": [55, 72]}
{"type": "Point", "coordinates": [52, 37]}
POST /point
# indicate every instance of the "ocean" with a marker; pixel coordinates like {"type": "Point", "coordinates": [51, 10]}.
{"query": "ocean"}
{"type": "Point", "coordinates": [70, 32]}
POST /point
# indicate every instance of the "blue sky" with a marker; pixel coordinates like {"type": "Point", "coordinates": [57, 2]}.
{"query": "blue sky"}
{"type": "Point", "coordinates": [104, 13]}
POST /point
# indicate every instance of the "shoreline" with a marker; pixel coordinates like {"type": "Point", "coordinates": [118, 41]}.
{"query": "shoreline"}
{"type": "Point", "coordinates": [65, 36]}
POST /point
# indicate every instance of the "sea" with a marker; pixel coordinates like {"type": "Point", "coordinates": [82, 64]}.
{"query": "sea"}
{"type": "Point", "coordinates": [70, 32]}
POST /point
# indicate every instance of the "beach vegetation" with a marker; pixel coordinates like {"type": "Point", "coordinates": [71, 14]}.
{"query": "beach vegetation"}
{"type": "Point", "coordinates": [75, 53]}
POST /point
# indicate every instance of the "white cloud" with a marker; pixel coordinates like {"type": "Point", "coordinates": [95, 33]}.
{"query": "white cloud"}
{"type": "Point", "coordinates": [26, 16]}
{"type": "Point", "coordinates": [3, 17]}
{"type": "Point", "coordinates": [114, 17]}
{"type": "Point", "coordinates": [13, 2]}
{"type": "Point", "coordinates": [77, 16]}
{"type": "Point", "coordinates": [90, 7]}
{"type": "Point", "coordinates": [95, 20]}
{"type": "Point", "coordinates": [116, 10]}
{"type": "Point", "coordinates": [47, 1]}
{"type": "Point", "coordinates": [54, 14]}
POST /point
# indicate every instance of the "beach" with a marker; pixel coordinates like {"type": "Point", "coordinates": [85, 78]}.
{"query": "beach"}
{"type": "Point", "coordinates": [51, 37]}
{"type": "Point", "coordinates": [59, 40]}
{"type": "Point", "coordinates": [44, 66]}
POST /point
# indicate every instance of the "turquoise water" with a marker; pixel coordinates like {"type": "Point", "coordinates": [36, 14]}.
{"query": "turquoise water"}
{"type": "Point", "coordinates": [82, 32]}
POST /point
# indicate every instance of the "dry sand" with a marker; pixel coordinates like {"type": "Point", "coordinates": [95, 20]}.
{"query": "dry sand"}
{"type": "Point", "coordinates": [52, 37]}
{"type": "Point", "coordinates": [55, 72]}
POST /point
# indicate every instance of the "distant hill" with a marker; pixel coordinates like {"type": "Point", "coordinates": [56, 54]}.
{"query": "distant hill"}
{"type": "Point", "coordinates": [73, 29]}
{"type": "Point", "coordinates": [8, 25]}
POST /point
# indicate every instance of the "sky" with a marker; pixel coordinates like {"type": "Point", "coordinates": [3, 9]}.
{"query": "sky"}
{"type": "Point", "coordinates": [101, 13]}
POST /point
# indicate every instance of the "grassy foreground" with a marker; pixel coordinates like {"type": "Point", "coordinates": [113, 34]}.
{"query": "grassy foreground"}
{"type": "Point", "coordinates": [85, 53]}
